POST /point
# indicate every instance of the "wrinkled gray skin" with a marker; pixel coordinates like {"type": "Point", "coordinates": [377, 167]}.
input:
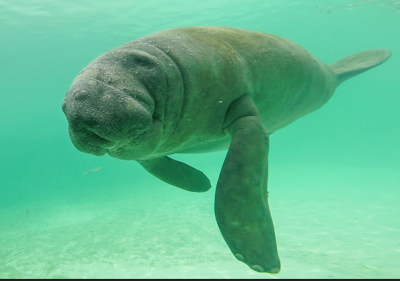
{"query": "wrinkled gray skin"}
{"type": "Point", "coordinates": [203, 89]}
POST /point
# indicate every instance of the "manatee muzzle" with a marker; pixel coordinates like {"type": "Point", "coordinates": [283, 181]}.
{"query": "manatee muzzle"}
{"type": "Point", "coordinates": [101, 117]}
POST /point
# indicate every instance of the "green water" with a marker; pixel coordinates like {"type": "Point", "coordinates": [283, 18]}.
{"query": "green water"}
{"type": "Point", "coordinates": [334, 175]}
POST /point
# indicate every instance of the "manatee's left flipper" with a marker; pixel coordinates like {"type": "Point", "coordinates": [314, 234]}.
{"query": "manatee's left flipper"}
{"type": "Point", "coordinates": [177, 174]}
{"type": "Point", "coordinates": [241, 201]}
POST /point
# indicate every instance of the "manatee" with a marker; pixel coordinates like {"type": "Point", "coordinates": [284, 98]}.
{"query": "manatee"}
{"type": "Point", "coordinates": [204, 89]}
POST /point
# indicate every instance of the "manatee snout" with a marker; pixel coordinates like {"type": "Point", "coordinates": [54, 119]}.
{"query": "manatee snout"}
{"type": "Point", "coordinates": [101, 117]}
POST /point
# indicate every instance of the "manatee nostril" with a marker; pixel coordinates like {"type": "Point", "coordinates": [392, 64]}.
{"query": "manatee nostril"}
{"type": "Point", "coordinates": [81, 95]}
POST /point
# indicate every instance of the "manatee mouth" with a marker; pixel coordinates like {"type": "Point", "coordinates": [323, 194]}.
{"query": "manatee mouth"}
{"type": "Point", "coordinates": [89, 142]}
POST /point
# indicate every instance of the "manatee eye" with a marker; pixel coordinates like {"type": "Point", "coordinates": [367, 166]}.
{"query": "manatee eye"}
{"type": "Point", "coordinates": [138, 59]}
{"type": "Point", "coordinates": [143, 61]}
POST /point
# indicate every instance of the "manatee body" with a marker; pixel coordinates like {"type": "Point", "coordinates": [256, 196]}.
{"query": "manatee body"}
{"type": "Point", "coordinates": [203, 89]}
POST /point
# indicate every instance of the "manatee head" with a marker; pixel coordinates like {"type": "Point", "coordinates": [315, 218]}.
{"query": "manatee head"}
{"type": "Point", "coordinates": [110, 107]}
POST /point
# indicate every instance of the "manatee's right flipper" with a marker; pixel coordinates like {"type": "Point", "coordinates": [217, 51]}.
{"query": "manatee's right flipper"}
{"type": "Point", "coordinates": [177, 174]}
{"type": "Point", "coordinates": [241, 200]}
{"type": "Point", "coordinates": [357, 63]}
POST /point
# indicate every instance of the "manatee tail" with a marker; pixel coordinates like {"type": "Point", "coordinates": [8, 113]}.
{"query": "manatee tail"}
{"type": "Point", "coordinates": [357, 63]}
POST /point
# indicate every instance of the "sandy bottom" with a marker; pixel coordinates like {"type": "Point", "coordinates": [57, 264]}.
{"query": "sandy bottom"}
{"type": "Point", "coordinates": [330, 223]}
